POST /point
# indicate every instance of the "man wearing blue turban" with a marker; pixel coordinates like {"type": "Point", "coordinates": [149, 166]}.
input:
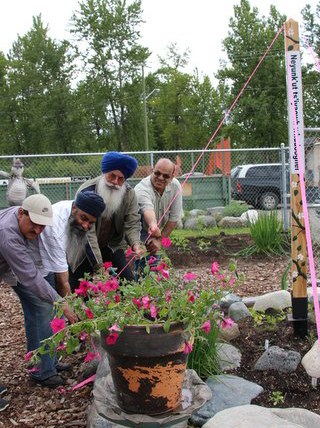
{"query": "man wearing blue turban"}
{"type": "Point", "coordinates": [119, 224]}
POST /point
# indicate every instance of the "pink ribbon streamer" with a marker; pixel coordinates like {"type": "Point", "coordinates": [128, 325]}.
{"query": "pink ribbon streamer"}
{"type": "Point", "coordinates": [79, 385]}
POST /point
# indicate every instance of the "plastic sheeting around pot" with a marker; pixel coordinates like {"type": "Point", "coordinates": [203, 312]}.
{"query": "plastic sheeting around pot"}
{"type": "Point", "coordinates": [195, 393]}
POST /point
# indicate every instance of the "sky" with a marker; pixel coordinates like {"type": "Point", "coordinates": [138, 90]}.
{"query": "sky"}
{"type": "Point", "coordinates": [200, 25]}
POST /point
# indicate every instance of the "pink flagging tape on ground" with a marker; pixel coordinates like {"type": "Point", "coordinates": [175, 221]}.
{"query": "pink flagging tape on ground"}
{"type": "Point", "coordinates": [79, 385]}
{"type": "Point", "coordinates": [305, 211]}
{"type": "Point", "coordinates": [214, 134]}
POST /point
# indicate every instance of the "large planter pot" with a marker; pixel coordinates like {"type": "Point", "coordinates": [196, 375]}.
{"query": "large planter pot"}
{"type": "Point", "coordinates": [147, 368]}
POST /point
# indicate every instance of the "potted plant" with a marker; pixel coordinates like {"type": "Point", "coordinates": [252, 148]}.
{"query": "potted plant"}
{"type": "Point", "coordinates": [150, 322]}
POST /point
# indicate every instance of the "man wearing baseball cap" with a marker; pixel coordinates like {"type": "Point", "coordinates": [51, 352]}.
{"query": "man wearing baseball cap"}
{"type": "Point", "coordinates": [18, 225]}
{"type": "Point", "coordinates": [57, 246]}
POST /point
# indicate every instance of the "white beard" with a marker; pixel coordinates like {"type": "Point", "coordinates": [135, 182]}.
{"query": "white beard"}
{"type": "Point", "coordinates": [112, 196]}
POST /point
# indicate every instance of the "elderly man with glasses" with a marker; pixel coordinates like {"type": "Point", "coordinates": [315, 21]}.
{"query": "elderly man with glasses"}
{"type": "Point", "coordinates": [155, 194]}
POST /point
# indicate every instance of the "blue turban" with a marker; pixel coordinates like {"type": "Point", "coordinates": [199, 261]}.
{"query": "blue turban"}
{"type": "Point", "coordinates": [90, 203]}
{"type": "Point", "coordinates": [124, 163]}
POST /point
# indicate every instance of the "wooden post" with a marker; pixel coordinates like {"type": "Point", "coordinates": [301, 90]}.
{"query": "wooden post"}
{"type": "Point", "coordinates": [296, 126]}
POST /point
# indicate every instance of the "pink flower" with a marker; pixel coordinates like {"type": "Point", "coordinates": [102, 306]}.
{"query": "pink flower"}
{"type": "Point", "coordinates": [83, 335]}
{"type": "Point", "coordinates": [189, 276]}
{"type": "Point", "coordinates": [206, 326]}
{"type": "Point", "coordinates": [165, 273]}
{"type": "Point", "coordinates": [152, 259]}
{"type": "Point", "coordinates": [33, 370]}
{"type": "Point", "coordinates": [214, 268]}
{"type": "Point", "coordinates": [61, 348]}
{"type": "Point", "coordinates": [107, 302]}
{"type": "Point", "coordinates": [117, 298]}
{"type": "Point", "coordinates": [28, 356]}
{"type": "Point", "coordinates": [57, 324]}
{"type": "Point", "coordinates": [192, 298]}
{"type": "Point", "coordinates": [187, 348]}
{"type": "Point", "coordinates": [61, 390]}
{"type": "Point", "coordinates": [220, 276]}
{"type": "Point", "coordinates": [146, 302]}
{"type": "Point", "coordinates": [89, 313]}
{"type": "Point", "coordinates": [115, 327]}
{"type": "Point", "coordinates": [107, 265]}
{"type": "Point", "coordinates": [166, 242]}
{"type": "Point", "coordinates": [112, 338]}
{"type": "Point", "coordinates": [90, 356]}
{"type": "Point", "coordinates": [232, 281]}
{"type": "Point", "coordinates": [168, 296]}
{"type": "Point", "coordinates": [226, 322]}
{"type": "Point", "coordinates": [112, 284]}
{"type": "Point", "coordinates": [154, 311]}
{"type": "Point", "coordinates": [137, 302]}
{"type": "Point", "coordinates": [129, 252]}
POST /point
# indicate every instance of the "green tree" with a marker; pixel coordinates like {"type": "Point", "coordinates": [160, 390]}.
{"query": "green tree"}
{"type": "Point", "coordinates": [185, 113]}
{"type": "Point", "coordinates": [112, 58]}
{"type": "Point", "coordinates": [260, 115]}
{"type": "Point", "coordinates": [38, 95]}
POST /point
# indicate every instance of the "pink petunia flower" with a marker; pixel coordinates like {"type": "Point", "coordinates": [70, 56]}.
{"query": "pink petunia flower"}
{"type": "Point", "coordinates": [107, 302]}
{"type": "Point", "coordinates": [226, 322]}
{"type": "Point", "coordinates": [115, 327]}
{"type": "Point", "coordinates": [117, 298]}
{"type": "Point", "coordinates": [83, 335]}
{"type": "Point", "coordinates": [220, 276]}
{"type": "Point", "coordinates": [154, 311]}
{"type": "Point", "coordinates": [107, 265]}
{"type": "Point", "coordinates": [112, 338]}
{"type": "Point", "coordinates": [206, 326]}
{"type": "Point", "coordinates": [187, 348]}
{"type": "Point", "coordinates": [28, 356]}
{"type": "Point", "coordinates": [129, 252]}
{"type": "Point", "coordinates": [89, 314]}
{"type": "Point", "coordinates": [90, 356]}
{"type": "Point", "coordinates": [168, 296]}
{"type": "Point", "coordinates": [146, 302]}
{"type": "Point", "coordinates": [61, 348]}
{"type": "Point", "coordinates": [232, 281]}
{"type": "Point", "coordinates": [61, 390]}
{"type": "Point", "coordinates": [166, 242]}
{"type": "Point", "coordinates": [137, 302]}
{"type": "Point", "coordinates": [189, 276]}
{"type": "Point", "coordinates": [57, 324]}
{"type": "Point", "coordinates": [152, 259]}
{"type": "Point", "coordinates": [192, 298]}
{"type": "Point", "coordinates": [214, 267]}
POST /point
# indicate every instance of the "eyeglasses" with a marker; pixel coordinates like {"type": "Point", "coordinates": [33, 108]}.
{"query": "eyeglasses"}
{"type": "Point", "coordinates": [158, 174]}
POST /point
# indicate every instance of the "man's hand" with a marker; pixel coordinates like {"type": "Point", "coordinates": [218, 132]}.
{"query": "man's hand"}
{"type": "Point", "coordinates": [138, 251]}
{"type": "Point", "coordinates": [153, 245]}
{"type": "Point", "coordinates": [154, 232]}
{"type": "Point", "coordinates": [71, 317]}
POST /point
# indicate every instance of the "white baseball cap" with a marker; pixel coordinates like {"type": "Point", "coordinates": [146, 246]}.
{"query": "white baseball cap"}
{"type": "Point", "coordinates": [39, 208]}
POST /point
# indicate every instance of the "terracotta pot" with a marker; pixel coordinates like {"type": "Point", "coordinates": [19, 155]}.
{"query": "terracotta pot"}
{"type": "Point", "coordinates": [147, 369]}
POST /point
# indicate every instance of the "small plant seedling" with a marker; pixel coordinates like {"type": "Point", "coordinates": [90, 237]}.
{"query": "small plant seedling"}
{"type": "Point", "coordinates": [276, 398]}
{"type": "Point", "coordinates": [181, 243]}
{"type": "Point", "coordinates": [203, 244]}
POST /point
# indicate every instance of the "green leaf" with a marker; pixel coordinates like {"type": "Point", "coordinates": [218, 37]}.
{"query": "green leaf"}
{"type": "Point", "coordinates": [166, 326]}
{"type": "Point", "coordinates": [148, 329]}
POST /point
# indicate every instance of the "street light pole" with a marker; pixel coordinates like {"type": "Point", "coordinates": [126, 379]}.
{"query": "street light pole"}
{"type": "Point", "coordinates": [145, 118]}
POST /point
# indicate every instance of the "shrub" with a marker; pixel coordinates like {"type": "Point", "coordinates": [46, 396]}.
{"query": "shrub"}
{"type": "Point", "coordinates": [234, 209]}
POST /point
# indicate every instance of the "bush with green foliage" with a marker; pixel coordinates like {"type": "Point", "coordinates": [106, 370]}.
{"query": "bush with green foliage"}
{"type": "Point", "coordinates": [235, 209]}
{"type": "Point", "coordinates": [268, 235]}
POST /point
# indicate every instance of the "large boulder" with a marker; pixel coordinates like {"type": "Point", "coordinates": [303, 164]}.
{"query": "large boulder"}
{"type": "Point", "coordinates": [311, 361]}
{"type": "Point", "coordinates": [277, 300]}
{"type": "Point", "coordinates": [228, 222]}
{"type": "Point", "coordinates": [281, 360]}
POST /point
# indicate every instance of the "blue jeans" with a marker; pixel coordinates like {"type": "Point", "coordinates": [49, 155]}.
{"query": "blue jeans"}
{"type": "Point", "coordinates": [37, 317]}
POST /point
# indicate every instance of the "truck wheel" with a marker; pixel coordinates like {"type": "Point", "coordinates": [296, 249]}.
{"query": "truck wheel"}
{"type": "Point", "coordinates": [269, 201]}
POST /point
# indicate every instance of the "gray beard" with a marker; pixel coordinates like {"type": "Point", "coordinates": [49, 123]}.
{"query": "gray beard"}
{"type": "Point", "coordinates": [76, 242]}
{"type": "Point", "coordinates": [111, 195]}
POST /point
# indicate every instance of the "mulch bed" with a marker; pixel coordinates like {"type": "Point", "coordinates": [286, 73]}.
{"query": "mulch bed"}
{"type": "Point", "coordinates": [33, 406]}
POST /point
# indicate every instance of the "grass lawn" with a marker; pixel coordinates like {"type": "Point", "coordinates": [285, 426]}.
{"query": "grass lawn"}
{"type": "Point", "coordinates": [210, 231]}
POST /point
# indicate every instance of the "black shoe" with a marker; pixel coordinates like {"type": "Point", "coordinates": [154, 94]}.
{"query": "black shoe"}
{"type": "Point", "coordinates": [3, 389]}
{"type": "Point", "coordinates": [62, 367]}
{"type": "Point", "coordinates": [52, 381]}
{"type": "Point", "coordinates": [3, 404]}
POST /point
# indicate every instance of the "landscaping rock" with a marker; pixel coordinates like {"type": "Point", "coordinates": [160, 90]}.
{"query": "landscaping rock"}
{"type": "Point", "coordinates": [233, 222]}
{"type": "Point", "coordinates": [198, 222]}
{"type": "Point", "coordinates": [250, 416]}
{"type": "Point", "coordinates": [228, 300]}
{"type": "Point", "coordinates": [311, 361]}
{"type": "Point", "coordinates": [229, 333]}
{"type": "Point", "coordinates": [250, 301]}
{"type": "Point", "coordinates": [215, 211]}
{"type": "Point", "coordinates": [281, 360]}
{"type": "Point", "coordinates": [278, 300]}
{"type": "Point", "coordinates": [229, 356]}
{"type": "Point", "coordinates": [237, 311]}
{"type": "Point", "coordinates": [310, 294]}
{"type": "Point", "coordinates": [196, 213]}
{"type": "Point", "coordinates": [251, 216]}
{"type": "Point", "coordinates": [227, 391]}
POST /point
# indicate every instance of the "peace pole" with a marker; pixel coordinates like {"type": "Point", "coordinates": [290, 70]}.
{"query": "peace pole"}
{"type": "Point", "coordinates": [296, 140]}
